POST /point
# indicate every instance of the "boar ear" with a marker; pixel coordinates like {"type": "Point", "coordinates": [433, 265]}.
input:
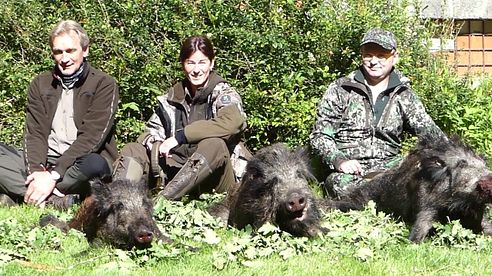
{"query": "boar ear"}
{"type": "Point", "coordinates": [255, 169]}
{"type": "Point", "coordinates": [434, 169]}
{"type": "Point", "coordinates": [105, 208]}
{"type": "Point", "coordinates": [142, 185]}
{"type": "Point", "coordinates": [484, 158]}
{"type": "Point", "coordinates": [99, 188]}
{"type": "Point", "coordinates": [301, 152]}
{"type": "Point", "coordinates": [102, 196]}
{"type": "Point", "coordinates": [106, 179]}
{"type": "Point", "coordinates": [304, 164]}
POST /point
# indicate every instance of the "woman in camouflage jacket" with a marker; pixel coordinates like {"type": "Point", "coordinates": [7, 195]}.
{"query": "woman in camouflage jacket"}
{"type": "Point", "coordinates": [197, 128]}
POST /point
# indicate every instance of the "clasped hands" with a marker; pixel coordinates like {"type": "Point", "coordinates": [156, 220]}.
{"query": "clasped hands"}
{"type": "Point", "coordinates": [40, 185]}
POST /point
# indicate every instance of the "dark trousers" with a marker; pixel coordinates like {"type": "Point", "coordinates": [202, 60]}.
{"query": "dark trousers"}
{"type": "Point", "coordinates": [214, 150]}
{"type": "Point", "coordinates": [74, 181]}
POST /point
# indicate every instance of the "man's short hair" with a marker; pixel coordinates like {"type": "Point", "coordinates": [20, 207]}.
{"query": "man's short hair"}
{"type": "Point", "coordinates": [64, 27]}
{"type": "Point", "coordinates": [381, 37]}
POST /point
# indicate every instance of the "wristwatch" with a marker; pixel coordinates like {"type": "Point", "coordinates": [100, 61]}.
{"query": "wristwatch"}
{"type": "Point", "coordinates": [55, 175]}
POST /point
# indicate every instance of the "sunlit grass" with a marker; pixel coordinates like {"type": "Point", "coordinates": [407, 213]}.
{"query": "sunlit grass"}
{"type": "Point", "coordinates": [359, 243]}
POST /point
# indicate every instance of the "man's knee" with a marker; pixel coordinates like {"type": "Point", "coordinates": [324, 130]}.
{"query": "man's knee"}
{"type": "Point", "coordinates": [12, 172]}
{"type": "Point", "coordinates": [93, 165]}
{"type": "Point", "coordinates": [338, 184]}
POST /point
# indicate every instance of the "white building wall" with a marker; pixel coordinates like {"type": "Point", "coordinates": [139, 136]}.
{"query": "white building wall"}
{"type": "Point", "coordinates": [457, 9]}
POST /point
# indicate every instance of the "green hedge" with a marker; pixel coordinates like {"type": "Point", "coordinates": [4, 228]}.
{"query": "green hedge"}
{"type": "Point", "coordinates": [280, 54]}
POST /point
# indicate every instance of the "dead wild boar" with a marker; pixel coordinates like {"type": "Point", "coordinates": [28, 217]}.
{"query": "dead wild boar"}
{"type": "Point", "coordinates": [119, 213]}
{"type": "Point", "coordinates": [437, 181]}
{"type": "Point", "coordinates": [275, 188]}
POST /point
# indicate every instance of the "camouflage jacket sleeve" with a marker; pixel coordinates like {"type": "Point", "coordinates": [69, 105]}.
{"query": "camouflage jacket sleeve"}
{"type": "Point", "coordinates": [417, 120]}
{"type": "Point", "coordinates": [154, 129]}
{"type": "Point", "coordinates": [228, 117]}
{"type": "Point", "coordinates": [330, 113]}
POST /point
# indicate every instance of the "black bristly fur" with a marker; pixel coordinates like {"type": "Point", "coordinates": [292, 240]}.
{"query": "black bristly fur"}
{"type": "Point", "coordinates": [275, 176]}
{"type": "Point", "coordinates": [437, 181]}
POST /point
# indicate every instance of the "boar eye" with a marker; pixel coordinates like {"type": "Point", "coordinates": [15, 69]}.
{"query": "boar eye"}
{"type": "Point", "coordinates": [462, 163]}
{"type": "Point", "coordinates": [118, 206]}
{"type": "Point", "coordinates": [300, 174]}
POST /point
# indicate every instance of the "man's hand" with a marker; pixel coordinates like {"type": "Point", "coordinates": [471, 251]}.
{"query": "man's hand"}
{"type": "Point", "coordinates": [39, 186]}
{"type": "Point", "coordinates": [167, 145]}
{"type": "Point", "coordinates": [351, 167]}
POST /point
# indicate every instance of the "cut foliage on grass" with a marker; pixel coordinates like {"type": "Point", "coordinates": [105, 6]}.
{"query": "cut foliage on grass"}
{"type": "Point", "coordinates": [360, 242]}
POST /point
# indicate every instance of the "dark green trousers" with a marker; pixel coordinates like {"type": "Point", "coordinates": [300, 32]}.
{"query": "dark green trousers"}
{"type": "Point", "coordinates": [215, 151]}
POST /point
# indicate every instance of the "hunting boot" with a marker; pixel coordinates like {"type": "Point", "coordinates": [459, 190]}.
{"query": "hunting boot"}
{"type": "Point", "coordinates": [63, 203]}
{"type": "Point", "coordinates": [127, 168]}
{"type": "Point", "coordinates": [6, 201]}
{"type": "Point", "coordinates": [194, 171]}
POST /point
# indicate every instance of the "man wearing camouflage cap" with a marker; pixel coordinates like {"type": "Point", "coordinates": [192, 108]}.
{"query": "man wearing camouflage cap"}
{"type": "Point", "coordinates": [362, 117]}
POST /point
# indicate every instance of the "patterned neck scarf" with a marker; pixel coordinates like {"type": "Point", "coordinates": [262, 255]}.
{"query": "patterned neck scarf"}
{"type": "Point", "coordinates": [69, 81]}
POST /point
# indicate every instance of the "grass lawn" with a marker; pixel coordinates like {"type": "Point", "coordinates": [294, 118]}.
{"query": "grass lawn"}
{"type": "Point", "coordinates": [359, 243]}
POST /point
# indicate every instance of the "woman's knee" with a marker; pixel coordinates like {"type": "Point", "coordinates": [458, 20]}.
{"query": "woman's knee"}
{"type": "Point", "coordinates": [133, 150]}
{"type": "Point", "coordinates": [213, 148]}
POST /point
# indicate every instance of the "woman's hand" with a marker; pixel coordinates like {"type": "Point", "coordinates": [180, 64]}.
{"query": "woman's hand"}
{"type": "Point", "coordinates": [167, 145]}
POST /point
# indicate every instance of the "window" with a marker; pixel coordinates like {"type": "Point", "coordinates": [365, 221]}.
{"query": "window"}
{"type": "Point", "coordinates": [473, 47]}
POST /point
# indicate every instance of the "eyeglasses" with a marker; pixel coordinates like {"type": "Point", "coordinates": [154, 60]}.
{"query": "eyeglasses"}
{"type": "Point", "coordinates": [380, 57]}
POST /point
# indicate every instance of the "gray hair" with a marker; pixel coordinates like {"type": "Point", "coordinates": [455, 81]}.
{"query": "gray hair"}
{"type": "Point", "coordinates": [64, 27]}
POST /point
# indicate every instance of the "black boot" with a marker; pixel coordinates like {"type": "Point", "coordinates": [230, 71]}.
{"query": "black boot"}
{"type": "Point", "coordinates": [63, 203]}
{"type": "Point", "coordinates": [193, 172]}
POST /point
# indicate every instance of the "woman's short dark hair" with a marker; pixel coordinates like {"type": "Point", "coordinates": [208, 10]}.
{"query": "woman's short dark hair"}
{"type": "Point", "coordinates": [196, 43]}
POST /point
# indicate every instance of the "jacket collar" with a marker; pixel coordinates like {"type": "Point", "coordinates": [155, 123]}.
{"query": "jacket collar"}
{"type": "Point", "coordinates": [356, 80]}
{"type": "Point", "coordinates": [81, 79]}
{"type": "Point", "coordinates": [179, 92]}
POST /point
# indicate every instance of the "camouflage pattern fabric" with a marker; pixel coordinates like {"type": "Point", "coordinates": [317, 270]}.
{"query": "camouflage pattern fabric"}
{"type": "Point", "coordinates": [223, 95]}
{"type": "Point", "coordinates": [383, 38]}
{"type": "Point", "coordinates": [337, 183]}
{"type": "Point", "coordinates": [346, 127]}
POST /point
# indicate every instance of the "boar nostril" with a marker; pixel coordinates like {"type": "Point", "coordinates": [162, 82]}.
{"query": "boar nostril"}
{"type": "Point", "coordinates": [485, 186]}
{"type": "Point", "coordinates": [301, 201]}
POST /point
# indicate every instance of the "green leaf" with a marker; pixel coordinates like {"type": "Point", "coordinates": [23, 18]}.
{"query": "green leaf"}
{"type": "Point", "coordinates": [210, 236]}
{"type": "Point", "coordinates": [364, 253]}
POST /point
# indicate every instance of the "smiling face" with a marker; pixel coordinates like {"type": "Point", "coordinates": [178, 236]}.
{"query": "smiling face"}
{"type": "Point", "coordinates": [377, 62]}
{"type": "Point", "coordinates": [197, 68]}
{"type": "Point", "coordinates": [68, 53]}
